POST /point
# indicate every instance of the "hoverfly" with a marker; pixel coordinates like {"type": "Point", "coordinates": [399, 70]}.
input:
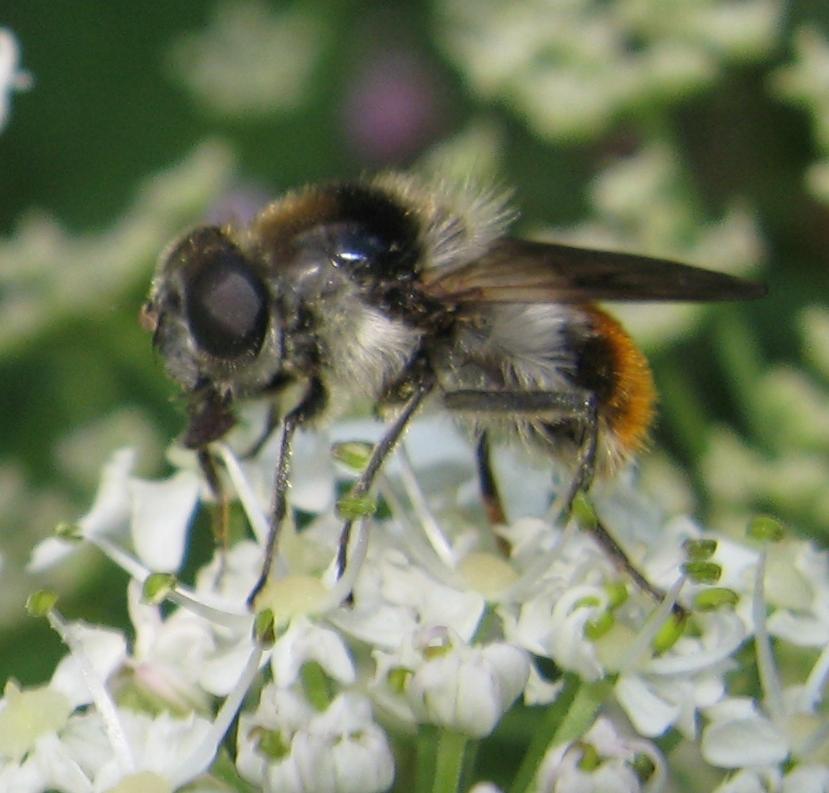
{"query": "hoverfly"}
{"type": "Point", "coordinates": [395, 291]}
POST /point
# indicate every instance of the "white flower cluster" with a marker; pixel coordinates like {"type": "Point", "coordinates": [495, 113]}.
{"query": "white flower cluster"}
{"type": "Point", "coordinates": [12, 77]}
{"type": "Point", "coordinates": [791, 412]}
{"type": "Point", "coordinates": [437, 627]}
{"type": "Point", "coordinates": [250, 59]}
{"type": "Point", "coordinates": [806, 81]}
{"type": "Point", "coordinates": [34, 293]}
{"type": "Point", "coordinates": [571, 68]}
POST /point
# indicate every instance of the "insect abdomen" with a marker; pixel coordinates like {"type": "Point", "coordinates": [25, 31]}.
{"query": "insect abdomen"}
{"type": "Point", "coordinates": [612, 367]}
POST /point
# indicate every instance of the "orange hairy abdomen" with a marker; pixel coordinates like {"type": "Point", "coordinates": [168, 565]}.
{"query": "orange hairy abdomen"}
{"type": "Point", "coordinates": [625, 389]}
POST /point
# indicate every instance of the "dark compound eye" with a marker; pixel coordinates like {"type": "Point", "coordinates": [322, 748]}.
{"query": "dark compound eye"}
{"type": "Point", "coordinates": [227, 306]}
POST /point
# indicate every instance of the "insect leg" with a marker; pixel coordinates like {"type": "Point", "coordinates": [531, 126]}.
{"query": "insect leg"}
{"type": "Point", "coordinates": [586, 460]}
{"type": "Point", "coordinates": [221, 519]}
{"type": "Point", "coordinates": [552, 406]}
{"type": "Point", "coordinates": [489, 487]}
{"type": "Point", "coordinates": [616, 554]}
{"type": "Point", "coordinates": [379, 454]}
{"type": "Point", "coordinates": [310, 406]}
{"type": "Point", "coordinates": [210, 417]}
{"type": "Point", "coordinates": [493, 506]}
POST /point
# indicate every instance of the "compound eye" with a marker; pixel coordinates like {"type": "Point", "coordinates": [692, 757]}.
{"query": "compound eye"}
{"type": "Point", "coordinates": [227, 306]}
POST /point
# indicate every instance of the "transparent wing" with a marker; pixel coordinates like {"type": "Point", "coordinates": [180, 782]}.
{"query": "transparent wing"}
{"type": "Point", "coordinates": [521, 271]}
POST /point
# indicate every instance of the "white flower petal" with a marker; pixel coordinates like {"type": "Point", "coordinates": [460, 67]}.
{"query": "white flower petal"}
{"type": "Point", "coordinates": [11, 76]}
{"type": "Point", "coordinates": [552, 625]}
{"type": "Point", "coordinates": [750, 781]}
{"type": "Point", "coordinates": [649, 714]}
{"type": "Point", "coordinates": [341, 750]}
{"type": "Point", "coordinates": [49, 552]}
{"type": "Point", "coordinates": [609, 770]}
{"type": "Point", "coordinates": [111, 508]}
{"type": "Point", "coordinates": [436, 605]}
{"type": "Point", "coordinates": [806, 779]}
{"type": "Point", "coordinates": [539, 691]}
{"type": "Point", "coordinates": [469, 689]}
{"type": "Point", "coordinates": [361, 761]}
{"type": "Point", "coordinates": [28, 777]}
{"type": "Point", "coordinates": [737, 743]}
{"type": "Point", "coordinates": [737, 562]}
{"type": "Point", "coordinates": [732, 708]}
{"type": "Point", "coordinates": [105, 649]}
{"type": "Point", "coordinates": [723, 633]}
{"type": "Point", "coordinates": [28, 715]}
{"type": "Point", "coordinates": [170, 742]}
{"type": "Point", "coordinates": [161, 513]}
{"type": "Point", "coordinates": [801, 630]}
{"type": "Point", "coordinates": [312, 475]}
{"type": "Point", "coordinates": [566, 642]}
{"type": "Point", "coordinates": [381, 625]}
{"type": "Point", "coordinates": [109, 514]}
{"type": "Point", "coordinates": [617, 777]}
{"type": "Point", "coordinates": [512, 667]}
{"type": "Point", "coordinates": [304, 641]}
{"type": "Point", "coordinates": [220, 671]}
{"type": "Point", "coordinates": [86, 741]}
{"type": "Point", "coordinates": [57, 764]}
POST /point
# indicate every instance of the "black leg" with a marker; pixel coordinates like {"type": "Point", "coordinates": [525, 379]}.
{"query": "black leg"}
{"type": "Point", "coordinates": [493, 506]}
{"type": "Point", "coordinates": [544, 405]}
{"type": "Point", "coordinates": [586, 460]}
{"type": "Point", "coordinates": [379, 454]}
{"type": "Point", "coordinates": [489, 487]}
{"type": "Point", "coordinates": [209, 417]}
{"type": "Point", "coordinates": [312, 403]}
{"type": "Point", "coordinates": [221, 517]}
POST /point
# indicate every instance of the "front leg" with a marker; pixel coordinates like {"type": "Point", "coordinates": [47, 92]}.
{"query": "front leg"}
{"type": "Point", "coordinates": [210, 417]}
{"type": "Point", "coordinates": [221, 518]}
{"type": "Point", "coordinates": [311, 406]}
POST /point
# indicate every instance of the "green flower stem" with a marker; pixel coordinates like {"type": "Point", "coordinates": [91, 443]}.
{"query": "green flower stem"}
{"type": "Point", "coordinates": [449, 763]}
{"type": "Point", "coordinates": [470, 763]}
{"type": "Point", "coordinates": [427, 742]}
{"type": "Point", "coordinates": [442, 760]}
{"type": "Point", "coordinates": [568, 718]}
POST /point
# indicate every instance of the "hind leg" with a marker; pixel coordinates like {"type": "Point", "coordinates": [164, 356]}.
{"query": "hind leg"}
{"type": "Point", "coordinates": [553, 407]}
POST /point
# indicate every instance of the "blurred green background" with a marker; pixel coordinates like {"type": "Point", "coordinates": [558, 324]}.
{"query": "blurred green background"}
{"type": "Point", "coordinates": [698, 130]}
